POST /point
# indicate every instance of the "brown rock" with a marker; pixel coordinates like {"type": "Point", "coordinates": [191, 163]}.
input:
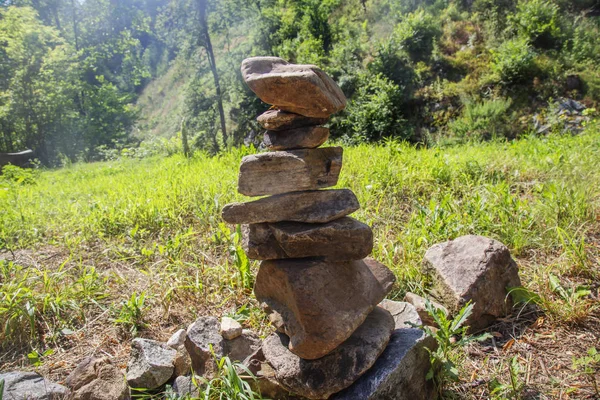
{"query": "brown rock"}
{"type": "Point", "coordinates": [341, 240]}
{"type": "Point", "coordinates": [309, 137]}
{"type": "Point", "coordinates": [477, 269]}
{"type": "Point", "coordinates": [314, 206]}
{"type": "Point", "coordinates": [277, 120]}
{"type": "Point", "coordinates": [320, 303]}
{"type": "Point", "coordinates": [420, 305]}
{"type": "Point", "coordinates": [97, 379]}
{"type": "Point", "coordinates": [241, 347]}
{"type": "Point", "coordinates": [289, 171]}
{"type": "Point", "coordinates": [319, 379]}
{"type": "Point", "coordinates": [301, 89]}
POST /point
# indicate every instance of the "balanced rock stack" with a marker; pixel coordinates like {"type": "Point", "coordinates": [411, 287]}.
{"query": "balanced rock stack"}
{"type": "Point", "coordinates": [315, 282]}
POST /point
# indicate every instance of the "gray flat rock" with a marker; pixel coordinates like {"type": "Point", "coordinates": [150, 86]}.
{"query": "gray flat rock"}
{"type": "Point", "coordinates": [399, 373]}
{"type": "Point", "coordinates": [31, 386]}
{"type": "Point", "coordinates": [318, 379]}
{"type": "Point", "coordinates": [319, 304]}
{"type": "Point", "coordinates": [289, 171]}
{"type": "Point", "coordinates": [404, 313]}
{"type": "Point", "coordinates": [308, 137]}
{"type": "Point", "coordinates": [315, 206]}
{"type": "Point", "coordinates": [301, 89]}
{"type": "Point", "coordinates": [341, 240]}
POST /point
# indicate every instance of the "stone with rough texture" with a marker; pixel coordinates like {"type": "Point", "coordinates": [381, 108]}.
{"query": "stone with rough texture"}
{"type": "Point", "coordinates": [289, 171]}
{"type": "Point", "coordinates": [201, 335]}
{"type": "Point", "coordinates": [241, 347]}
{"type": "Point", "coordinates": [230, 328]}
{"type": "Point", "coordinates": [341, 240]}
{"type": "Point", "coordinates": [318, 379]}
{"type": "Point", "coordinates": [277, 120]}
{"type": "Point", "coordinates": [184, 387]}
{"type": "Point", "coordinates": [301, 89]}
{"type": "Point", "coordinates": [177, 340]}
{"type": "Point", "coordinates": [319, 304]}
{"type": "Point", "coordinates": [182, 363]}
{"type": "Point", "coordinates": [97, 379]}
{"type": "Point", "coordinates": [314, 206]}
{"type": "Point", "coordinates": [404, 313]}
{"type": "Point", "coordinates": [420, 305]}
{"type": "Point", "coordinates": [308, 137]}
{"type": "Point", "coordinates": [473, 268]}
{"type": "Point", "coordinates": [399, 373]}
{"type": "Point", "coordinates": [151, 364]}
{"type": "Point", "coordinates": [30, 386]}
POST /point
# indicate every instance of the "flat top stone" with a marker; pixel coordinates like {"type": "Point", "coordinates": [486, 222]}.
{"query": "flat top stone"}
{"type": "Point", "coordinates": [301, 89]}
{"type": "Point", "coordinates": [230, 328]}
{"type": "Point", "coordinates": [289, 171]}
{"type": "Point", "coordinates": [30, 385]}
{"type": "Point", "coordinates": [314, 206]}
{"type": "Point", "coordinates": [319, 379]}
{"type": "Point", "coordinates": [151, 364]}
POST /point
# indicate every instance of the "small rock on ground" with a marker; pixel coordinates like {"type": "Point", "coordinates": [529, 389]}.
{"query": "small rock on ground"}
{"type": "Point", "coordinates": [30, 386]}
{"type": "Point", "coordinates": [97, 379]}
{"type": "Point", "coordinates": [151, 364]}
{"type": "Point", "coordinates": [420, 305]}
{"type": "Point", "coordinates": [201, 335]}
{"type": "Point", "coordinates": [230, 328]}
{"type": "Point", "coordinates": [177, 340]}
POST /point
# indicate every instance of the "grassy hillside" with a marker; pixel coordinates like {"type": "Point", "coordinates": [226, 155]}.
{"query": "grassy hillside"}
{"type": "Point", "coordinates": [97, 253]}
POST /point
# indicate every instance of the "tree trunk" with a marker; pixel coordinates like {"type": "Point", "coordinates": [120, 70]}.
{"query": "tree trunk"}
{"type": "Point", "coordinates": [184, 139]}
{"type": "Point", "coordinates": [213, 66]}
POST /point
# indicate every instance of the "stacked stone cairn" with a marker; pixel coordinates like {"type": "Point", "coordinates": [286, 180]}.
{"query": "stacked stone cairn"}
{"type": "Point", "coordinates": [315, 282]}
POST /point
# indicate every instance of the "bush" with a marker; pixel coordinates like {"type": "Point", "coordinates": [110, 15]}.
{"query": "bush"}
{"type": "Point", "coordinates": [539, 22]}
{"type": "Point", "coordinates": [482, 120]}
{"type": "Point", "coordinates": [375, 111]}
{"type": "Point", "coordinates": [395, 66]}
{"type": "Point", "coordinates": [417, 33]}
{"type": "Point", "coordinates": [514, 61]}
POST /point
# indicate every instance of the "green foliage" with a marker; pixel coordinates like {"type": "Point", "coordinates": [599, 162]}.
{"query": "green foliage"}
{"type": "Point", "coordinates": [513, 61]}
{"type": "Point", "coordinates": [30, 297]}
{"type": "Point", "coordinates": [35, 358]}
{"type": "Point", "coordinates": [131, 314]}
{"type": "Point", "coordinates": [514, 388]}
{"type": "Point", "coordinates": [13, 175]}
{"type": "Point", "coordinates": [589, 366]}
{"type": "Point", "coordinates": [230, 382]}
{"type": "Point", "coordinates": [450, 337]}
{"type": "Point", "coordinates": [375, 111]}
{"type": "Point", "coordinates": [481, 120]}
{"type": "Point", "coordinates": [538, 21]}
{"type": "Point", "coordinates": [416, 34]}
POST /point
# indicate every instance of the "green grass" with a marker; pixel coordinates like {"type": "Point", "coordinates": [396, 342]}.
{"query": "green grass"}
{"type": "Point", "coordinates": [153, 226]}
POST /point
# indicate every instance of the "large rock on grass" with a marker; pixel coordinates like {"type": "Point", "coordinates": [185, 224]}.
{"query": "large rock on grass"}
{"type": "Point", "coordinates": [151, 364]}
{"type": "Point", "coordinates": [277, 120]}
{"type": "Point", "coordinates": [203, 335]}
{"type": "Point", "coordinates": [319, 379]}
{"type": "Point", "coordinates": [289, 171]}
{"type": "Point", "coordinates": [301, 89]}
{"type": "Point", "coordinates": [97, 379]}
{"type": "Point", "coordinates": [30, 386]}
{"type": "Point", "coordinates": [318, 304]}
{"type": "Point", "coordinates": [314, 206]}
{"type": "Point", "coordinates": [309, 137]}
{"type": "Point", "coordinates": [342, 240]}
{"type": "Point", "coordinates": [477, 269]}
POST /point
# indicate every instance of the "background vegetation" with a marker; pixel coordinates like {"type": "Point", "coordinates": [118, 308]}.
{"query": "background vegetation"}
{"type": "Point", "coordinates": [85, 80]}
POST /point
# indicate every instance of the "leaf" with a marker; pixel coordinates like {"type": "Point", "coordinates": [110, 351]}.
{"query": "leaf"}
{"type": "Point", "coordinates": [462, 317]}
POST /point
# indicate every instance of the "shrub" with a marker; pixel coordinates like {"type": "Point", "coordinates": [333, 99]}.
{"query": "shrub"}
{"type": "Point", "coordinates": [481, 120]}
{"type": "Point", "coordinates": [375, 111]}
{"type": "Point", "coordinates": [417, 33]}
{"type": "Point", "coordinates": [395, 66]}
{"type": "Point", "coordinates": [539, 22]}
{"type": "Point", "coordinates": [514, 61]}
